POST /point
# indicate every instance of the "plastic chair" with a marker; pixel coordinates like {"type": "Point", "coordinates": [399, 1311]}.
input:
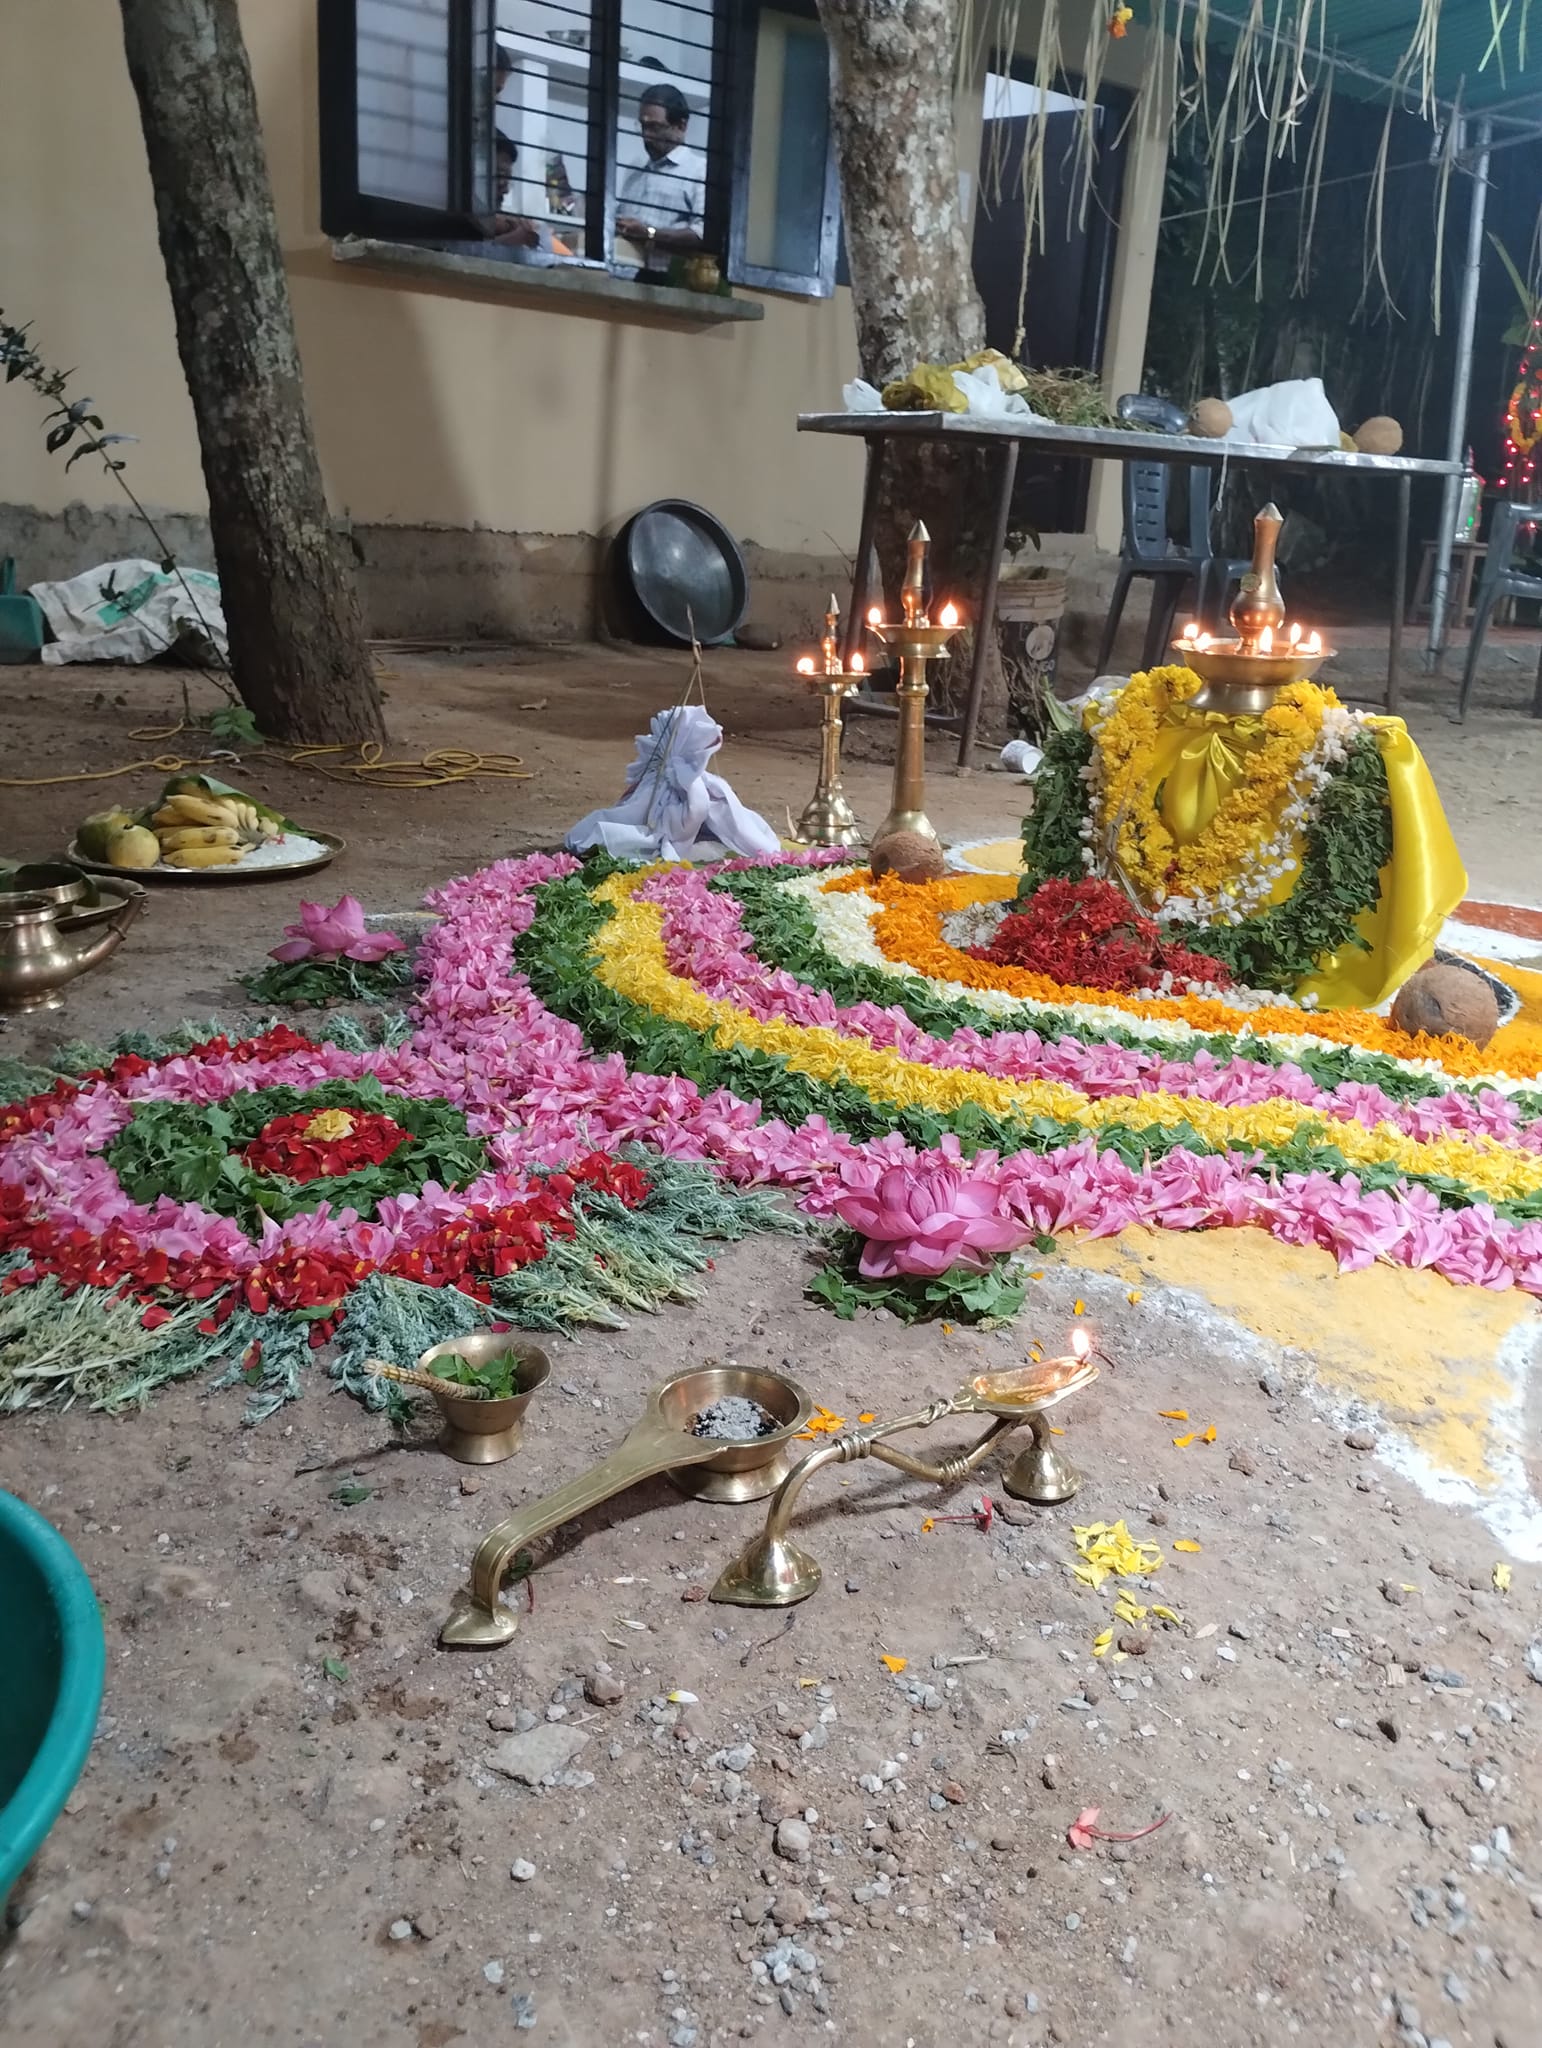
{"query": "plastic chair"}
{"type": "Point", "coordinates": [1147, 549]}
{"type": "Point", "coordinates": [1500, 580]}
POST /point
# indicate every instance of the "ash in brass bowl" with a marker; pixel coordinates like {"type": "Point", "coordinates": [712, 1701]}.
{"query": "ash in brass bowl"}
{"type": "Point", "coordinates": [480, 1432]}
{"type": "Point", "coordinates": [740, 1471]}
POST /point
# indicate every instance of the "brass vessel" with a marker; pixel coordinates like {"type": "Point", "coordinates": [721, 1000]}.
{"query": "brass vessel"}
{"type": "Point", "coordinates": [478, 1431]}
{"type": "Point", "coordinates": [1258, 607]}
{"type": "Point", "coordinates": [1241, 676]}
{"type": "Point", "coordinates": [710, 1468]}
{"type": "Point", "coordinates": [38, 959]}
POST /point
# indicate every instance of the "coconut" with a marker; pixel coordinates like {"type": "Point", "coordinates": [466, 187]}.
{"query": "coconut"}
{"type": "Point", "coordinates": [910, 855]}
{"type": "Point", "coordinates": [1441, 999]}
{"type": "Point", "coordinates": [1379, 436]}
{"type": "Point", "coordinates": [1211, 419]}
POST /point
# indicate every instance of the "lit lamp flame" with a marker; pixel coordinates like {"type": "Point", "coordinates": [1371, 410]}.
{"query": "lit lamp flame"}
{"type": "Point", "coordinates": [1190, 633]}
{"type": "Point", "coordinates": [1202, 642]}
{"type": "Point", "coordinates": [948, 616]}
{"type": "Point", "coordinates": [806, 665]}
{"type": "Point", "coordinates": [857, 663]}
{"type": "Point", "coordinates": [1295, 631]}
{"type": "Point", "coordinates": [1081, 1343]}
{"type": "Point", "coordinates": [875, 615]}
{"type": "Point", "coordinates": [1313, 643]}
{"type": "Point", "coordinates": [1266, 640]}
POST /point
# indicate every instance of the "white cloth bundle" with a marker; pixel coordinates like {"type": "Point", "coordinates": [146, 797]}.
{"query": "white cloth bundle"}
{"type": "Point", "coordinates": [672, 809]}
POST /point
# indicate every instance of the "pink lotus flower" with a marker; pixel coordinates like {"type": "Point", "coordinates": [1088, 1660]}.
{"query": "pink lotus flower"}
{"type": "Point", "coordinates": [928, 1216]}
{"type": "Point", "coordinates": [334, 934]}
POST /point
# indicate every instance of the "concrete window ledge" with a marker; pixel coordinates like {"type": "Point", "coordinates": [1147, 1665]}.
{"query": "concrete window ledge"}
{"type": "Point", "coordinates": [559, 290]}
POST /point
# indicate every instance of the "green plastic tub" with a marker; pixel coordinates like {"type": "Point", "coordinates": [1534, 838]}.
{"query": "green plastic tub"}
{"type": "Point", "coordinates": [50, 1680]}
{"type": "Point", "coordinates": [21, 619]}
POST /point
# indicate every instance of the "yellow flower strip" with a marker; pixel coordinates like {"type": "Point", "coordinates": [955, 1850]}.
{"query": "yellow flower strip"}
{"type": "Point", "coordinates": [908, 929]}
{"type": "Point", "coordinates": [632, 961]}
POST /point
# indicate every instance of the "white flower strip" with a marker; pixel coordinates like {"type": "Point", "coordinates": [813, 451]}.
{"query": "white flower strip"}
{"type": "Point", "coordinates": [843, 922]}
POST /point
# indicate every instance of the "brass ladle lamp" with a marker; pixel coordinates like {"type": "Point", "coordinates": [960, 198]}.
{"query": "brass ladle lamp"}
{"type": "Point", "coordinates": [776, 1571]}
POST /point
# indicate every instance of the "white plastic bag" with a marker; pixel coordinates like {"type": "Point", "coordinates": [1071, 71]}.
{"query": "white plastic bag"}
{"type": "Point", "coordinates": [860, 396]}
{"type": "Point", "coordinates": [1295, 414]}
{"type": "Point", "coordinates": [672, 809]}
{"type": "Point", "coordinates": [133, 611]}
{"type": "Point", "coordinates": [985, 398]}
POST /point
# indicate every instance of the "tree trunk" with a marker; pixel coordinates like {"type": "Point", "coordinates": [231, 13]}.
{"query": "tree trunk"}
{"type": "Point", "coordinates": [297, 649]}
{"type": "Point", "coordinates": [912, 282]}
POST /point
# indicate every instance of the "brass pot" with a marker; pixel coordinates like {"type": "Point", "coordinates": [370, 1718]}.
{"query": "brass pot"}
{"type": "Point", "coordinates": [702, 273]}
{"type": "Point", "coordinates": [478, 1431]}
{"type": "Point", "coordinates": [38, 960]}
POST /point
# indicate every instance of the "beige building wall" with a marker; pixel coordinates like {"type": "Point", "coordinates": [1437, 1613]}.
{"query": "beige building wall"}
{"type": "Point", "coordinates": [437, 405]}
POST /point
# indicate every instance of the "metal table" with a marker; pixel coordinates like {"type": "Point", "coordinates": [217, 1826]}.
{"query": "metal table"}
{"type": "Point", "coordinates": [1096, 444]}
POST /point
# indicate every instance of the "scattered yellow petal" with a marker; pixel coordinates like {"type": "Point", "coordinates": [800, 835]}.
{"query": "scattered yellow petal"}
{"type": "Point", "coordinates": [806, 1682]}
{"type": "Point", "coordinates": [928, 1526]}
{"type": "Point", "coordinates": [1186, 1543]}
{"type": "Point", "coordinates": [1037, 1276]}
{"type": "Point", "coordinates": [1108, 1550]}
{"type": "Point", "coordinates": [1181, 1443]}
{"type": "Point", "coordinates": [896, 1663]}
{"type": "Point", "coordinates": [1409, 1586]}
{"type": "Point", "coordinates": [869, 1417]}
{"type": "Point", "coordinates": [1501, 1578]}
{"type": "Point", "coordinates": [1174, 1414]}
{"type": "Point", "coordinates": [1036, 1352]}
{"type": "Point", "coordinates": [1102, 1642]}
{"type": "Point", "coordinates": [1133, 1296]}
{"type": "Point", "coordinates": [1054, 1431]}
{"type": "Point", "coordinates": [1165, 1614]}
{"type": "Point", "coordinates": [1209, 1435]}
{"type": "Point", "coordinates": [823, 1422]}
{"type": "Point", "coordinates": [947, 1329]}
{"type": "Point", "coordinates": [1079, 1308]}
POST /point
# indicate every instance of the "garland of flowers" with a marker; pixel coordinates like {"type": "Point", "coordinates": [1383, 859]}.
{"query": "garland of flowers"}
{"type": "Point", "coordinates": [1319, 779]}
{"type": "Point", "coordinates": [1241, 850]}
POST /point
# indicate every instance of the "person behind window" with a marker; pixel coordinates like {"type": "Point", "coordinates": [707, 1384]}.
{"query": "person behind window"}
{"type": "Point", "coordinates": [663, 202]}
{"type": "Point", "coordinates": [511, 236]}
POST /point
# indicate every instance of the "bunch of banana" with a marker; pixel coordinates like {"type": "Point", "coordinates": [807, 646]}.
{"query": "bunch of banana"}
{"type": "Point", "coordinates": [208, 831]}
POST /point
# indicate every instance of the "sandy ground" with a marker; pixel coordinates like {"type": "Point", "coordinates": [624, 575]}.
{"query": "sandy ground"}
{"type": "Point", "coordinates": [1341, 1728]}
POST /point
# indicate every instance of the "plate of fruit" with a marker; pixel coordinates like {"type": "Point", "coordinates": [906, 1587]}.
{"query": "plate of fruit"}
{"type": "Point", "coordinates": [199, 830]}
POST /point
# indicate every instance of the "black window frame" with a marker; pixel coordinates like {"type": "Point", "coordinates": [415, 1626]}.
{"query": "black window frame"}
{"type": "Point", "coordinates": [345, 210]}
{"type": "Point", "coordinates": [348, 211]}
{"type": "Point", "coordinates": [743, 51]}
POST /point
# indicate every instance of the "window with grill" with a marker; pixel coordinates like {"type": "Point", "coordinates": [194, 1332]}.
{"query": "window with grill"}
{"type": "Point", "coordinates": [625, 135]}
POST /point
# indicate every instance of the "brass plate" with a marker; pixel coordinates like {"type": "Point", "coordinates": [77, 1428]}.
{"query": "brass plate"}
{"type": "Point", "coordinates": [277, 871]}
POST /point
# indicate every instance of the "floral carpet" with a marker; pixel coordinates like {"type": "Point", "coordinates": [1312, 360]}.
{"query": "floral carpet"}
{"type": "Point", "coordinates": [605, 1066]}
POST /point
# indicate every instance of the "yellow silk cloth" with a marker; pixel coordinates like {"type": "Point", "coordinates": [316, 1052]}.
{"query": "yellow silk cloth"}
{"type": "Point", "coordinates": [1197, 761]}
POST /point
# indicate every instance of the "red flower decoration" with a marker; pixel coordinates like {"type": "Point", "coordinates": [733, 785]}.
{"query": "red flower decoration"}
{"type": "Point", "coordinates": [315, 1145]}
{"type": "Point", "coordinates": [1090, 935]}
